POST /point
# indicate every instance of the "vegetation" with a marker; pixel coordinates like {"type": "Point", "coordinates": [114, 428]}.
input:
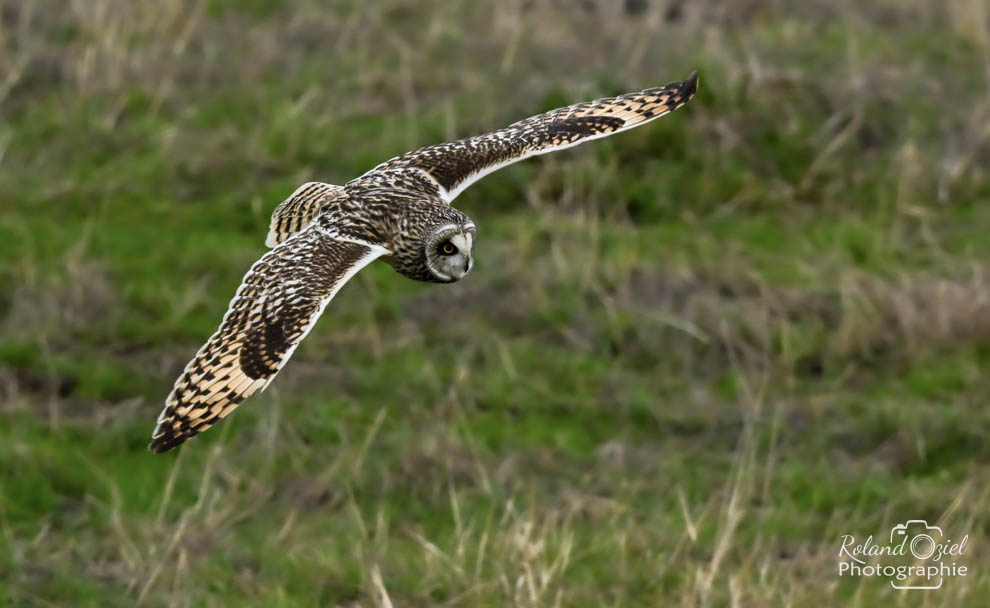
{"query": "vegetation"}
{"type": "Point", "coordinates": [688, 360]}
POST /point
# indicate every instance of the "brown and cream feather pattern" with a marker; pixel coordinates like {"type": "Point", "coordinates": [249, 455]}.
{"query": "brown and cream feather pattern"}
{"type": "Point", "coordinates": [399, 211]}
{"type": "Point", "coordinates": [301, 208]}
{"type": "Point", "coordinates": [456, 165]}
{"type": "Point", "coordinates": [273, 310]}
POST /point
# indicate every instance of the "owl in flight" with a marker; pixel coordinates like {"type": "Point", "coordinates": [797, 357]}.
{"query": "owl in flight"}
{"type": "Point", "coordinates": [400, 212]}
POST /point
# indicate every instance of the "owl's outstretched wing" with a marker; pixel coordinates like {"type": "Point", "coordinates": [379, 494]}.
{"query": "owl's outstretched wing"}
{"type": "Point", "coordinates": [452, 167]}
{"type": "Point", "coordinates": [274, 308]}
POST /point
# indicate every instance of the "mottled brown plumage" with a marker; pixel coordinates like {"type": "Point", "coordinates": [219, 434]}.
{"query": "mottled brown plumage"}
{"type": "Point", "coordinates": [399, 211]}
{"type": "Point", "coordinates": [456, 165]}
{"type": "Point", "coordinates": [297, 211]}
{"type": "Point", "coordinates": [274, 308]}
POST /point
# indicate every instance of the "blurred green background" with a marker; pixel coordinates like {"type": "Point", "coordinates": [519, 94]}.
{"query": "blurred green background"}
{"type": "Point", "coordinates": [688, 360]}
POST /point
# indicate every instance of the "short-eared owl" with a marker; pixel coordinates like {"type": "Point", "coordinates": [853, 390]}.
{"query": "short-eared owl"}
{"type": "Point", "coordinates": [400, 212]}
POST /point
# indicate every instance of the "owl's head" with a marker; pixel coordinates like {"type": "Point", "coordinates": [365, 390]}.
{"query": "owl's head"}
{"type": "Point", "coordinates": [449, 253]}
{"type": "Point", "coordinates": [434, 243]}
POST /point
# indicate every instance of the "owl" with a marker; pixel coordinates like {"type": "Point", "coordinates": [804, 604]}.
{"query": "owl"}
{"type": "Point", "coordinates": [399, 212]}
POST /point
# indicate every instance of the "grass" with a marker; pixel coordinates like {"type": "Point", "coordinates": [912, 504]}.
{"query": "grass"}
{"type": "Point", "coordinates": [688, 360]}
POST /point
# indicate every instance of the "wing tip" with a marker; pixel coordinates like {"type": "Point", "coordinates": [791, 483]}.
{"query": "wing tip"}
{"type": "Point", "coordinates": [690, 86]}
{"type": "Point", "coordinates": [163, 440]}
{"type": "Point", "coordinates": [164, 443]}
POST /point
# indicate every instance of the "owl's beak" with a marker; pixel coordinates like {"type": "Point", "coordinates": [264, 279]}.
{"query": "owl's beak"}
{"type": "Point", "coordinates": [457, 273]}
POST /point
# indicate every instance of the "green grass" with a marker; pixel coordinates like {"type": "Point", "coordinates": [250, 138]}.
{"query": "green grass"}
{"type": "Point", "coordinates": [688, 360]}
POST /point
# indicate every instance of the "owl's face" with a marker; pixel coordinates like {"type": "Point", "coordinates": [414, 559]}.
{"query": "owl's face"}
{"type": "Point", "coordinates": [449, 253]}
{"type": "Point", "coordinates": [433, 243]}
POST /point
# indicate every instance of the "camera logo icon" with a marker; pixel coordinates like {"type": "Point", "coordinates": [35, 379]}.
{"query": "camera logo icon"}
{"type": "Point", "coordinates": [922, 539]}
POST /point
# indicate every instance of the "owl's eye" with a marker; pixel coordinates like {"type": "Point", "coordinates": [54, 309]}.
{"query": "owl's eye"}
{"type": "Point", "coordinates": [447, 248]}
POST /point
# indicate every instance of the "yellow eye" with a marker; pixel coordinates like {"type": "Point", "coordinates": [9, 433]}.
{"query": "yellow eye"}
{"type": "Point", "coordinates": [448, 248]}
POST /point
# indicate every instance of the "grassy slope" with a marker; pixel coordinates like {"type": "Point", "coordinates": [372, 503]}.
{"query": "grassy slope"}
{"type": "Point", "coordinates": [688, 360]}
